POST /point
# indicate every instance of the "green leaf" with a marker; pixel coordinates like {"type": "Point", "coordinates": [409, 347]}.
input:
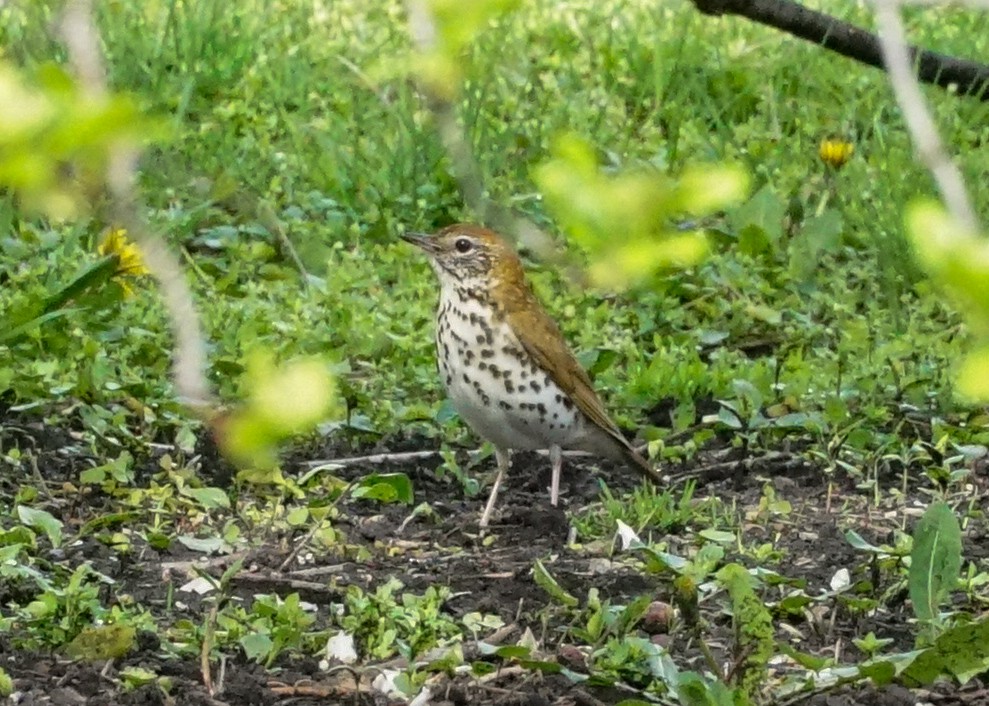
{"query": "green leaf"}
{"type": "Point", "coordinates": [719, 536]}
{"type": "Point", "coordinates": [759, 221]}
{"type": "Point", "coordinates": [622, 220]}
{"type": "Point", "coordinates": [973, 374]}
{"type": "Point", "coordinates": [282, 401]}
{"type": "Point", "coordinates": [880, 672]}
{"type": "Point", "coordinates": [633, 613]}
{"type": "Point", "coordinates": [962, 652]}
{"type": "Point", "coordinates": [209, 498]}
{"type": "Point", "coordinates": [9, 333]}
{"type": "Point", "coordinates": [94, 275]}
{"type": "Point", "coordinates": [512, 652]}
{"type": "Point", "coordinates": [102, 642]}
{"type": "Point", "coordinates": [694, 690]}
{"type": "Point", "coordinates": [256, 645]}
{"type": "Point", "coordinates": [935, 560]}
{"type": "Point", "coordinates": [385, 487]}
{"type": "Point", "coordinates": [858, 542]}
{"type": "Point", "coordinates": [805, 660]}
{"type": "Point", "coordinates": [207, 545]}
{"type": "Point", "coordinates": [134, 677]}
{"type": "Point", "coordinates": [545, 581]}
{"type": "Point", "coordinates": [42, 520]}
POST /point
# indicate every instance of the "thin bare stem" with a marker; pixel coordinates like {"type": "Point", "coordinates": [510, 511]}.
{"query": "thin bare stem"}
{"type": "Point", "coordinates": [79, 32]}
{"type": "Point", "coordinates": [920, 123]}
{"type": "Point", "coordinates": [467, 172]}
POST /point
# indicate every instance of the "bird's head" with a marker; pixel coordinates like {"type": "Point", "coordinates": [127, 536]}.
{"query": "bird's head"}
{"type": "Point", "coordinates": [467, 255]}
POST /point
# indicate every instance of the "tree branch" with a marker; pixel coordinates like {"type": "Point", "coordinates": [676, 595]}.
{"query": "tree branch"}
{"type": "Point", "coordinates": [968, 78]}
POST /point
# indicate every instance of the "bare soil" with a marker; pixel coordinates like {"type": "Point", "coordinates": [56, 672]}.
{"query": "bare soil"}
{"type": "Point", "coordinates": [489, 575]}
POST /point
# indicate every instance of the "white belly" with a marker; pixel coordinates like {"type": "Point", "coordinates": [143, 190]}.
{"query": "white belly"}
{"type": "Point", "coordinates": [513, 405]}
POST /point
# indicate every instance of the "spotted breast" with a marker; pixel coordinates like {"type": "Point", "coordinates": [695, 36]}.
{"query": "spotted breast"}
{"type": "Point", "coordinates": [493, 383]}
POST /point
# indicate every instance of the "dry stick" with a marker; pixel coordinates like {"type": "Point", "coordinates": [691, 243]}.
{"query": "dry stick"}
{"type": "Point", "coordinates": [923, 131]}
{"type": "Point", "coordinates": [207, 647]}
{"type": "Point", "coordinates": [286, 583]}
{"type": "Point", "coordinates": [717, 470]}
{"type": "Point", "coordinates": [406, 456]}
{"type": "Point", "coordinates": [312, 533]}
{"type": "Point", "coordinates": [269, 219]}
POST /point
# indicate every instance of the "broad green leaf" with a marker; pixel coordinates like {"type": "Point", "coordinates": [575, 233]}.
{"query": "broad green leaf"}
{"type": "Point", "coordinates": [385, 487]}
{"type": "Point", "coordinates": [297, 516]}
{"type": "Point", "coordinates": [257, 646]}
{"type": "Point", "coordinates": [961, 652]}
{"type": "Point", "coordinates": [512, 652]}
{"type": "Point", "coordinates": [704, 189]}
{"type": "Point", "coordinates": [102, 643]}
{"type": "Point", "coordinates": [858, 542]}
{"type": "Point", "coordinates": [209, 498]}
{"type": "Point", "coordinates": [41, 520]}
{"type": "Point", "coordinates": [694, 690]}
{"type": "Point", "coordinates": [134, 677]}
{"type": "Point", "coordinates": [957, 258]}
{"type": "Point", "coordinates": [633, 613]}
{"type": "Point", "coordinates": [624, 220]}
{"type": "Point", "coordinates": [805, 660]}
{"type": "Point", "coordinates": [207, 545]}
{"type": "Point", "coordinates": [759, 221]}
{"type": "Point", "coordinates": [281, 401]}
{"type": "Point", "coordinates": [719, 536]}
{"type": "Point", "coordinates": [973, 374]}
{"type": "Point", "coordinates": [935, 560]}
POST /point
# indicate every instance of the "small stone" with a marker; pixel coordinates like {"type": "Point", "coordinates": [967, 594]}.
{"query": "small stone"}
{"type": "Point", "coordinates": [657, 619]}
{"type": "Point", "coordinates": [571, 657]}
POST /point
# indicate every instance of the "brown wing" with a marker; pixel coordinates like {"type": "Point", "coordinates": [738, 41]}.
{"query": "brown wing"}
{"type": "Point", "coordinates": [542, 339]}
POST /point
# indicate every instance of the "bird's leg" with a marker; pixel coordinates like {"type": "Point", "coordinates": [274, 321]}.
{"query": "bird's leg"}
{"type": "Point", "coordinates": [556, 458]}
{"type": "Point", "coordinates": [504, 461]}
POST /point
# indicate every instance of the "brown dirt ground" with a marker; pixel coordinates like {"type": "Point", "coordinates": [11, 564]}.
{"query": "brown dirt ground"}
{"type": "Point", "coordinates": [490, 577]}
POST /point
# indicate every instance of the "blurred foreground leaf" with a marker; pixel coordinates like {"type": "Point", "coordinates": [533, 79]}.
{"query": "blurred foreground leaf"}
{"type": "Point", "coordinates": [624, 220]}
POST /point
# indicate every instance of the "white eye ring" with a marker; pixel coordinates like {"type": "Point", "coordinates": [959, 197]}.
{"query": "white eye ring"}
{"type": "Point", "coordinates": [463, 245]}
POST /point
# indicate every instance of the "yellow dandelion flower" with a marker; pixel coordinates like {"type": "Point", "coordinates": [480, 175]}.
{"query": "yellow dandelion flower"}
{"type": "Point", "coordinates": [835, 152]}
{"type": "Point", "coordinates": [129, 260]}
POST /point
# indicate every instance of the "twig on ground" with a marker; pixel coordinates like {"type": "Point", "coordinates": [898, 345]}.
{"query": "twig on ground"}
{"type": "Point", "coordinates": [207, 647]}
{"type": "Point", "coordinates": [285, 582]}
{"type": "Point", "coordinates": [724, 469]}
{"type": "Point", "coordinates": [188, 568]}
{"type": "Point", "coordinates": [407, 456]}
{"type": "Point", "coordinates": [298, 547]}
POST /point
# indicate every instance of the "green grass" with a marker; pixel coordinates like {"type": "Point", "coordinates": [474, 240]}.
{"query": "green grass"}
{"type": "Point", "coordinates": [312, 119]}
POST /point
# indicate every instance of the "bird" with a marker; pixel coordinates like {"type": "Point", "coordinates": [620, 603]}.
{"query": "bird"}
{"type": "Point", "coordinates": [504, 362]}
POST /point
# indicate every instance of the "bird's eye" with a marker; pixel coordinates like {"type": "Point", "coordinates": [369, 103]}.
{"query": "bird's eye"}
{"type": "Point", "coordinates": [463, 245]}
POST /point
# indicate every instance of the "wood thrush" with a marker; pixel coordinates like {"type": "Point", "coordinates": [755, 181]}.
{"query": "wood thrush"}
{"type": "Point", "coordinates": [505, 364]}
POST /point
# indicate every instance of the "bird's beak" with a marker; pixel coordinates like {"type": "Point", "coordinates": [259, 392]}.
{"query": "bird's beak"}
{"type": "Point", "coordinates": [420, 240]}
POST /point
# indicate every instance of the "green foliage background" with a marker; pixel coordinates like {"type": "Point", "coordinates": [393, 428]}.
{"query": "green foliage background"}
{"type": "Point", "coordinates": [302, 116]}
